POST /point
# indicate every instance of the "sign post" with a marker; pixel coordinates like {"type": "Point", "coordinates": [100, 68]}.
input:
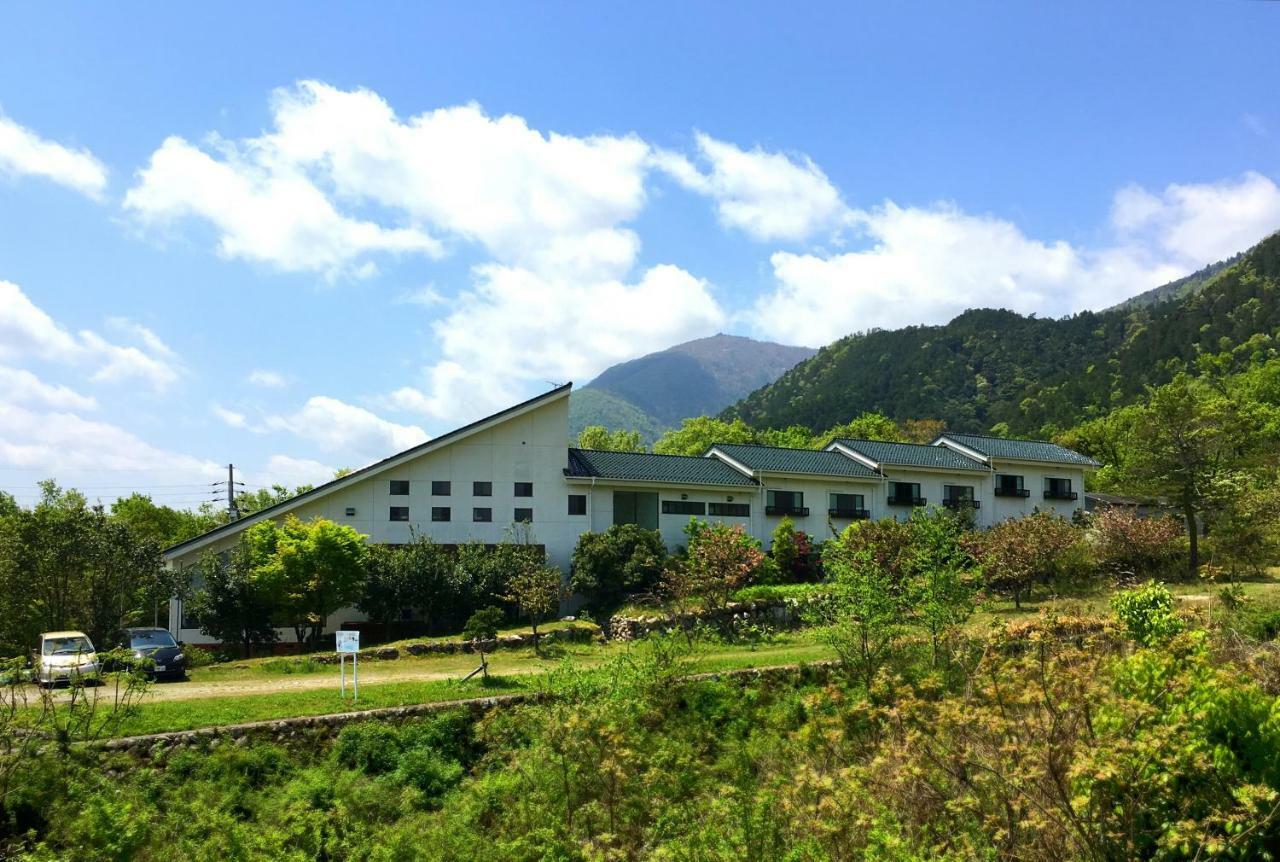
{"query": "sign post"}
{"type": "Point", "coordinates": [348, 644]}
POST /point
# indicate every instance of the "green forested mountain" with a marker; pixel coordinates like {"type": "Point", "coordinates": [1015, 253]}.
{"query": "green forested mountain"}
{"type": "Point", "coordinates": [1179, 288]}
{"type": "Point", "coordinates": [653, 393]}
{"type": "Point", "coordinates": [989, 368]}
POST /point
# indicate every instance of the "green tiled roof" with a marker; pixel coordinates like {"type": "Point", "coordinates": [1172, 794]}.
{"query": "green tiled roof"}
{"type": "Point", "coordinates": [773, 459]}
{"type": "Point", "coordinates": [912, 455]}
{"type": "Point", "coordinates": [1021, 450]}
{"type": "Point", "coordinates": [641, 466]}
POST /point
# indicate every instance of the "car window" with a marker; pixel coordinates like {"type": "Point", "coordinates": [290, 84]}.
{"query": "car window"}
{"type": "Point", "coordinates": [66, 646]}
{"type": "Point", "coordinates": [146, 640]}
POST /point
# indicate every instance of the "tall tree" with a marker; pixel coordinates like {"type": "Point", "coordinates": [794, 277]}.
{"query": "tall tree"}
{"type": "Point", "coordinates": [695, 436]}
{"type": "Point", "coordinates": [231, 600]}
{"type": "Point", "coordinates": [316, 567]}
{"type": "Point", "coordinates": [617, 440]}
{"type": "Point", "coordinates": [1189, 443]}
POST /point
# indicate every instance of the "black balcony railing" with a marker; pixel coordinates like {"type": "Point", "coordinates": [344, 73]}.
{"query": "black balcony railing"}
{"type": "Point", "coordinates": [962, 503]}
{"type": "Point", "coordinates": [851, 514]}
{"type": "Point", "coordinates": [1061, 495]}
{"type": "Point", "coordinates": [1012, 492]}
{"type": "Point", "coordinates": [798, 511]}
{"type": "Point", "coordinates": [907, 501]}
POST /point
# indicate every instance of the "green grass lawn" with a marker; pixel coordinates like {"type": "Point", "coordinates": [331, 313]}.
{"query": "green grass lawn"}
{"type": "Point", "coordinates": [511, 670]}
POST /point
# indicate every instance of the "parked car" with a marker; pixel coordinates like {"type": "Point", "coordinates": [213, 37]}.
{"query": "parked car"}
{"type": "Point", "coordinates": [164, 653]}
{"type": "Point", "coordinates": [64, 657]}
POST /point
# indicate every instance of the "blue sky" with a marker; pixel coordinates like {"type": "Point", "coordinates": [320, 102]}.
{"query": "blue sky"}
{"type": "Point", "coordinates": [302, 236]}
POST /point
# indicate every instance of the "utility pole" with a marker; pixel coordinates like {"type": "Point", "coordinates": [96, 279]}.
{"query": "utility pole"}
{"type": "Point", "coordinates": [233, 514]}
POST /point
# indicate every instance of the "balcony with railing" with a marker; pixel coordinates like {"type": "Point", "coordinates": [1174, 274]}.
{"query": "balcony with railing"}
{"type": "Point", "coordinates": [1061, 495]}
{"type": "Point", "coordinates": [797, 511]}
{"type": "Point", "coordinates": [850, 514]}
{"type": "Point", "coordinates": [961, 503]}
{"type": "Point", "coordinates": [905, 500]}
{"type": "Point", "coordinates": [1012, 492]}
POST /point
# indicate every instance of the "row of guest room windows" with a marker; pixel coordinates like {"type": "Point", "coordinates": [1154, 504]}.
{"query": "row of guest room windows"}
{"type": "Point", "coordinates": [400, 488]}
{"type": "Point", "coordinates": [479, 515]}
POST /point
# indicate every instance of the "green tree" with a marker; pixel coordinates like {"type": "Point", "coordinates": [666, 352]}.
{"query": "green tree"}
{"type": "Point", "coordinates": [1189, 443]}
{"type": "Point", "coordinates": [385, 594]}
{"type": "Point", "coordinates": [792, 437]}
{"type": "Point", "coordinates": [316, 567]}
{"type": "Point", "coordinates": [163, 525]}
{"type": "Point", "coordinates": [719, 560]}
{"type": "Point", "coordinates": [232, 600]}
{"type": "Point", "coordinates": [625, 558]}
{"type": "Point", "coordinates": [943, 578]}
{"type": "Point", "coordinates": [617, 440]}
{"type": "Point", "coordinates": [535, 591]}
{"type": "Point", "coordinates": [865, 426]}
{"type": "Point", "coordinates": [866, 614]}
{"type": "Point", "coordinates": [695, 436]}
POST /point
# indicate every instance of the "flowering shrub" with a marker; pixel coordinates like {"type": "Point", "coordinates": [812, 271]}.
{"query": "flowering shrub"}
{"type": "Point", "coordinates": [1021, 552]}
{"type": "Point", "coordinates": [1132, 546]}
{"type": "Point", "coordinates": [720, 559]}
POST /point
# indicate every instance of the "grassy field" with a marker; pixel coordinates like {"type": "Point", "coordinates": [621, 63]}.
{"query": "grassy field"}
{"type": "Point", "coordinates": [248, 691]}
{"type": "Point", "coordinates": [280, 687]}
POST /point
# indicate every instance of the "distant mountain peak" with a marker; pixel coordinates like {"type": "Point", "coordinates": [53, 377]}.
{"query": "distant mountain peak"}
{"type": "Point", "coordinates": [697, 377]}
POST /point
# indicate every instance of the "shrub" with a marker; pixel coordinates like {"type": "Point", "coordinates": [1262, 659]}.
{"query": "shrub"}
{"type": "Point", "coordinates": [625, 558]}
{"type": "Point", "coordinates": [484, 624]}
{"type": "Point", "coordinates": [1147, 613]}
{"type": "Point", "coordinates": [371, 747]}
{"type": "Point", "coordinates": [1017, 554]}
{"type": "Point", "coordinates": [432, 774]}
{"type": "Point", "coordinates": [720, 560]}
{"type": "Point", "coordinates": [792, 550]}
{"type": "Point", "coordinates": [1132, 546]}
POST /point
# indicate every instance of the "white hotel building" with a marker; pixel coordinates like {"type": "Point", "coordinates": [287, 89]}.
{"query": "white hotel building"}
{"type": "Point", "coordinates": [516, 466]}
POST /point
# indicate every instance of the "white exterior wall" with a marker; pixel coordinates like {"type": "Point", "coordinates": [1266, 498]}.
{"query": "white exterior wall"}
{"type": "Point", "coordinates": [1033, 476]}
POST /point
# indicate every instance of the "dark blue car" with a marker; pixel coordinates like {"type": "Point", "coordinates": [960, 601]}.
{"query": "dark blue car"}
{"type": "Point", "coordinates": [157, 645]}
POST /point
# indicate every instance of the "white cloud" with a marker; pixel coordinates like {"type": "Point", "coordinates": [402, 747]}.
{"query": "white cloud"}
{"type": "Point", "coordinates": [925, 265]}
{"type": "Point", "coordinates": [267, 379]}
{"type": "Point", "coordinates": [352, 432]}
{"type": "Point", "coordinates": [22, 387]}
{"type": "Point", "coordinates": [267, 213]}
{"type": "Point", "coordinates": [1200, 223]}
{"type": "Point", "coordinates": [769, 196]}
{"type": "Point", "coordinates": [24, 153]}
{"type": "Point", "coordinates": [27, 332]}
{"type": "Point", "coordinates": [59, 442]}
{"type": "Point", "coordinates": [293, 472]}
{"type": "Point", "coordinates": [519, 330]}
{"type": "Point", "coordinates": [230, 417]}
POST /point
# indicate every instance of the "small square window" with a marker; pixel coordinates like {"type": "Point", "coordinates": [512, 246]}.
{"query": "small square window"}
{"type": "Point", "coordinates": [524, 489]}
{"type": "Point", "coordinates": [441, 489]}
{"type": "Point", "coordinates": [399, 487]}
{"type": "Point", "coordinates": [523, 516]}
{"type": "Point", "coordinates": [440, 513]}
{"type": "Point", "coordinates": [481, 489]}
{"type": "Point", "coordinates": [482, 516]}
{"type": "Point", "coordinates": [399, 513]}
{"type": "Point", "coordinates": [577, 504]}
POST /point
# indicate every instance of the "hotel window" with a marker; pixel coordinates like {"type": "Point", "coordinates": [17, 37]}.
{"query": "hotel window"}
{"type": "Point", "coordinates": [956, 496]}
{"type": "Point", "coordinates": [1010, 486]}
{"type": "Point", "coordinates": [729, 510]}
{"type": "Point", "coordinates": [481, 489]}
{"type": "Point", "coordinates": [399, 513]}
{"type": "Point", "coordinates": [785, 503]}
{"type": "Point", "coordinates": [440, 513]}
{"type": "Point", "coordinates": [440, 489]}
{"type": "Point", "coordinates": [636, 507]}
{"type": "Point", "coordinates": [1058, 489]}
{"type": "Point", "coordinates": [524, 489]}
{"type": "Point", "coordinates": [482, 515]}
{"type": "Point", "coordinates": [523, 516]}
{"type": "Point", "coordinates": [905, 494]}
{"type": "Point", "coordinates": [683, 507]}
{"type": "Point", "coordinates": [399, 487]}
{"type": "Point", "coordinates": [847, 506]}
{"type": "Point", "coordinates": [577, 504]}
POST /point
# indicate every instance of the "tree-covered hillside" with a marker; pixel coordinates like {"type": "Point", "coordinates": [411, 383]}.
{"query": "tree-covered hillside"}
{"type": "Point", "coordinates": [992, 368]}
